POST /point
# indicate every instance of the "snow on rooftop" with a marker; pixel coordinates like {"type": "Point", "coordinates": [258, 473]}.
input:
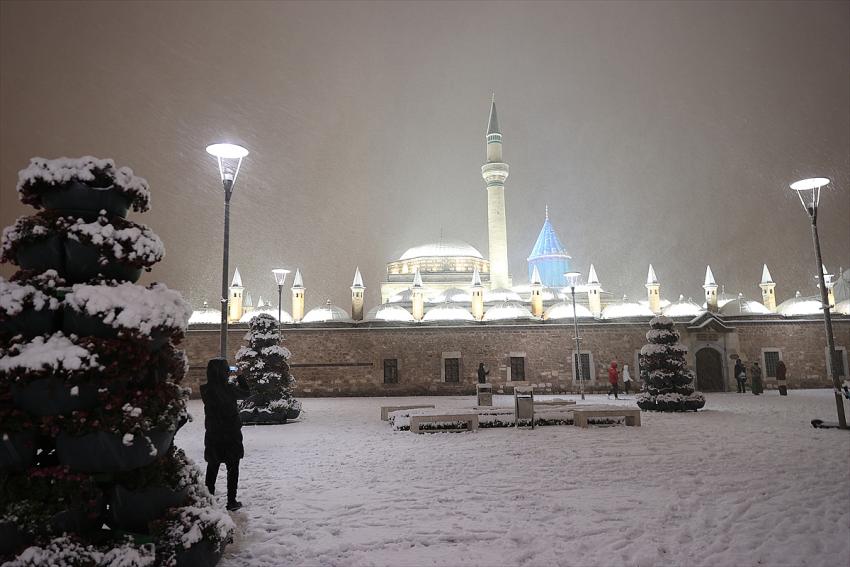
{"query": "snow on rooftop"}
{"type": "Point", "coordinates": [508, 310]}
{"type": "Point", "coordinates": [744, 306]}
{"type": "Point", "coordinates": [800, 306]}
{"type": "Point", "coordinates": [564, 310]}
{"type": "Point", "coordinates": [272, 311]}
{"type": "Point", "coordinates": [682, 308]}
{"type": "Point", "coordinates": [442, 248]}
{"type": "Point", "coordinates": [448, 312]}
{"type": "Point", "coordinates": [205, 316]}
{"type": "Point", "coordinates": [454, 294]}
{"type": "Point", "coordinates": [501, 294]}
{"type": "Point", "coordinates": [327, 313]}
{"type": "Point", "coordinates": [622, 309]}
{"type": "Point", "coordinates": [389, 312]}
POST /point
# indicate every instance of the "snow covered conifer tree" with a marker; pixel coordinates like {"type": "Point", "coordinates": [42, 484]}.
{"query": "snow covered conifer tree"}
{"type": "Point", "coordinates": [667, 381]}
{"type": "Point", "coordinates": [265, 364]}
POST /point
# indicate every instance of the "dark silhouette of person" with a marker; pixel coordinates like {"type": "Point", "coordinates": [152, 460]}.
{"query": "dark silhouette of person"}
{"type": "Point", "coordinates": [482, 373]}
{"type": "Point", "coordinates": [781, 374]}
{"type": "Point", "coordinates": [741, 376]}
{"type": "Point", "coordinates": [223, 428]}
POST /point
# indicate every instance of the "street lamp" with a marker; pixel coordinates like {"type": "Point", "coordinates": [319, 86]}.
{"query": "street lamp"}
{"type": "Point", "coordinates": [808, 190]}
{"type": "Point", "coordinates": [572, 281]}
{"type": "Point", "coordinates": [280, 278]}
{"type": "Point", "coordinates": [229, 161]}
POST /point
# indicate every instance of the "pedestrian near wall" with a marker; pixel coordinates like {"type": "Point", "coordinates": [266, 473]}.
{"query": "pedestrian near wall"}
{"type": "Point", "coordinates": [627, 378]}
{"type": "Point", "coordinates": [223, 427]}
{"type": "Point", "coordinates": [613, 376]}
{"type": "Point", "coordinates": [757, 386]}
{"type": "Point", "coordinates": [781, 371]}
{"type": "Point", "coordinates": [741, 376]}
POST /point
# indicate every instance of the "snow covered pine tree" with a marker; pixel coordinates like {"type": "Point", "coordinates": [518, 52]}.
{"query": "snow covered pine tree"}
{"type": "Point", "coordinates": [265, 364]}
{"type": "Point", "coordinates": [667, 381]}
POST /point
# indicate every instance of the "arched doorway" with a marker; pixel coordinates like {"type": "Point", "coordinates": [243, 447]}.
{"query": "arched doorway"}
{"type": "Point", "coordinates": [709, 371]}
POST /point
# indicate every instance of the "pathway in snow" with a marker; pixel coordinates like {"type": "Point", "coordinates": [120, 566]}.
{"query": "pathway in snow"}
{"type": "Point", "coordinates": [746, 481]}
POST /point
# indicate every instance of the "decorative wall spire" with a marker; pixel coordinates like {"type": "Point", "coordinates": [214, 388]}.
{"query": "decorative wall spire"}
{"type": "Point", "coordinates": [765, 275]}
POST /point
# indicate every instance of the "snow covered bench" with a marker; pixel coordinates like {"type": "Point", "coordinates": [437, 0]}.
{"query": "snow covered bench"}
{"type": "Point", "coordinates": [385, 410]}
{"type": "Point", "coordinates": [556, 402]}
{"type": "Point", "coordinates": [580, 414]}
{"type": "Point", "coordinates": [450, 421]}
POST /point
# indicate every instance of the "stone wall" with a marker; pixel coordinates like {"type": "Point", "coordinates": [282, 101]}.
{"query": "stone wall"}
{"type": "Point", "coordinates": [349, 361]}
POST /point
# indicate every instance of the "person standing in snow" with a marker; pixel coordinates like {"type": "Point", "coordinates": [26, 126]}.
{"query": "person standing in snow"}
{"type": "Point", "coordinates": [223, 428]}
{"type": "Point", "coordinates": [613, 376]}
{"type": "Point", "coordinates": [741, 376]}
{"type": "Point", "coordinates": [482, 373]}
{"type": "Point", "coordinates": [627, 378]}
{"type": "Point", "coordinates": [781, 373]}
{"type": "Point", "coordinates": [757, 387]}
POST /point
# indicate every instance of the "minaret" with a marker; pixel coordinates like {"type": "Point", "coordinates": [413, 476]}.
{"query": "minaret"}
{"type": "Point", "coordinates": [298, 290]}
{"type": "Point", "coordinates": [495, 171]}
{"type": "Point", "coordinates": [477, 296]}
{"type": "Point", "coordinates": [357, 289]}
{"type": "Point", "coordinates": [653, 291]}
{"type": "Point", "coordinates": [418, 293]}
{"type": "Point", "coordinates": [768, 286]}
{"type": "Point", "coordinates": [536, 294]}
{"type": "Point", "coordinates": [827, 279]}
{"type": "Point", "coordinates": [594, 300]}
{"type": "Point", "coordinates": [710, 287]}
{"type": "Point", "coordinates": [234, 304]}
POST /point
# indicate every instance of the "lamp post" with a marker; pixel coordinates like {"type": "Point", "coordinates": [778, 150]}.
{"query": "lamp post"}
{"type": "Point", "coordinates": [229, 158]}
{"type": "Point", "coordinates": [280, 278]}
{"type": "Point", "coordinates": [808, 190]}
{"type": "Point", "coordinates": [572, 281]}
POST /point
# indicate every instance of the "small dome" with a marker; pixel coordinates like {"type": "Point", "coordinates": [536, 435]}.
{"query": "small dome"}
{"type": "Point", "coordinates": [722, 299]}
{"type": "Point", "coordinates": [682, 308]}
{"type": "Point", "coordinates": [564, 310]}
{"type": "Point", "coordinates": [453, 294]}
{"type": "Point", "coordinates": [508, 310]}
{"type": "Point", "coordinates": [327, 313]}
{"type": "Point", "coordinates": [389, 312]}
{"type": "Point", "coordinates": [547, 293]}
{"type": "Point", "coordinates": [443, 248]}
{"type": "Point", "coordinates": [448, 312]}
{"type": "Point", "coordinates": [743, 306]}
{"type": "Point", "coordinates": [205, 316]}
{"type": "Point", "coordinates": [405, 296]}
{"type": "Point", "coordinates": [284, 316]}
{"type": "Point", "coordinates": [501, 294]}
{"type": "Point", "coordinates": [799, 305]}
{"type": "Point", "coordinates": [843, 307]}
{"type": "Point", "coordinates": [626, 309]}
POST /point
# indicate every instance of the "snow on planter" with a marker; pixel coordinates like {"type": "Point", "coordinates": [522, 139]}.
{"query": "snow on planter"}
{"type": "Point", "coordinates": [70, 551]}
{"type": "Point", "coordinates": [668, 382]}
{"type": "Point", "coordinates": [45, 176]}
{"type": "Point", "coordinates": [34, 242]}
{"type": "Point", "coordinates": [57, 353]}
{"type": "Point", "coordinates": [119, 240]}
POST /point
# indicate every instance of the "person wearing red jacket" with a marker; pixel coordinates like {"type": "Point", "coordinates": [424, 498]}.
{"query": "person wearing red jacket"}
{"type": "Point", "coordinates": [613, 376]}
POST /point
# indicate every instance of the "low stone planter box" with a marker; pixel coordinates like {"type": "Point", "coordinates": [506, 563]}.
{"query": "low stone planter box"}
{"type": "Point", "coordinates": [52, 396]}
{"type": "Point", "coordinates": [78, 199]}
{"type": "Point", "coordinates": [133, 509]}
{"type": "Point", "coordinates": [17, 450]}
{"type": "Point", "coordinates": [106, 452]}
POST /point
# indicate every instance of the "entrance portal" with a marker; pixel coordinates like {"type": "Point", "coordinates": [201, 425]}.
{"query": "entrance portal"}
{"type": "Point", "coordinates": [709, 371]}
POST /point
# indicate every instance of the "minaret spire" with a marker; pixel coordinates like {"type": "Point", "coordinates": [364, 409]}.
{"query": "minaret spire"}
{"type": "Point", "coordinates": [494, 172]}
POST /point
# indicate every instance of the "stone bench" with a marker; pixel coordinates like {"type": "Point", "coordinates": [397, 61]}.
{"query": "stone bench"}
{"type": "Point", "coordinates": [554, 402]}
{"type": "Point", "coordinates": [386, 410]}
{"type": "Point", "coordinates": [469, 418]}
{"type": "Point", "coordinates": [580, 414]}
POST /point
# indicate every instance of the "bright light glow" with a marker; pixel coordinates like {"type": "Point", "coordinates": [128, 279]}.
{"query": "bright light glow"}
{"type": "Point", "coordinates": [809, 184]}
{"type": "Point", "coordinates": [227, 151]}
{"type": "Point", "coordinates": [280, 275]}
{"type": "Point", "coordinates": [572, 278]}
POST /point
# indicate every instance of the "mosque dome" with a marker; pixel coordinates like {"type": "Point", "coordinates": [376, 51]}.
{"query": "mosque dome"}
{"type": "Point", "coordinates": [284, 316]}
{"type": "Point", "coordinates": [843, 307]}
{"type": "Point", "coordinates": [682, 308]}
{"type": "Point", "coordinates": [564, 310]}
{"type": "Point", "coordinates": [327, 313]}
{"type": "Point", "coordinates": [501, 294]}
{"type": "Point", "coordinates": [389, 312]}
{"type": "Point", "coordinates": [454, 294]}
{"type": "Point", "coordinates": [626, 308]}
{"type": "Point", "coordinates": [743, 306]}
{"type": "Point", "coordinates": [448, 312]}
{"type": "Point", "coordinates": [508, 310]}
{"type": "Point", "coordinates": [443, 248]}
{"type": "Point", "coordinates": [205, 316]}
{"type": "Point", "coordinates": [799, 305]}
{"type": "Point", "coordinates": [405, 296]}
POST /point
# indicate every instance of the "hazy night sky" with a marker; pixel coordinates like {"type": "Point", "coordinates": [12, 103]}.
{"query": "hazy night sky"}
{"type": "Point", "coordinates": [656, 132]}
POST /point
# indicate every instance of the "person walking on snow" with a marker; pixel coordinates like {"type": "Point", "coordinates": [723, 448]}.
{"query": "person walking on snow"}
{"type": "Point", "coordinates": [757, 387]}
{"type": "Point", "coordinates": [627, 378]}
{"type": "Point", "coordinates": [741, 376]}
{"type": "Point", "coordinates": [482, 373]}
{"type": "Point", "coordinates": [223, 427]}
{"type": "Point", "coordinates": [613, 375]}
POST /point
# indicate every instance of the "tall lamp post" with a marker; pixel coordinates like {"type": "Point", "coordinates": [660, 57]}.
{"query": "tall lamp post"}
{"type": "Point", "coordinates": [808, 190]}
{"type": "Point", "coordinates": [572, 281]}
{"type": "Point", "coordinates": [229, 158]}
{"type": "Point", "coordinates": [280, 278]}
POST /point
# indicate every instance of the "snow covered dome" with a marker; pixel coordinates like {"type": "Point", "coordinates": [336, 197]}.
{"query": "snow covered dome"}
{"type": "Point", "coordinates": [284, 316]}
{"type": "Point", "coordinates": [327, 313]}
{"type": "Point", "coordinates": [547, 293]}
{"type": "Point", "coordinates": [508, 310]}
{"type": "Point", "coordinates": [405, 296]}
{"type": "Point", "coordinates": [564, 310]}
{"type": "Point", "coordinates": [799, 305]}
{"type": "Point", "coordinates": [501, 294]}
{"type": "Point", "coordinates": [626, 308]}
{"type": "Point", "coordinates": [682, 308]}
{"type": "Point", "coordinates": [442, 248]}
{"type": "Point", "coordinates": [205, 316]}
{"type": "Point", "coordinates": [448, 312]}
{"type": "Point", "coordinates": [454, 294]}
{"type": "Point", "coordinates": [389, 312]}
{"type": "Point", "coordinates": [743, 306]}
{"type": "Point", "coordinates": [843, 307]}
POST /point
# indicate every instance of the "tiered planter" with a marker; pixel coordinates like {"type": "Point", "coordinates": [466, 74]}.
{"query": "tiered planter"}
{"type": "Point", "coordinates": [132, 510]}
{"type": "Point", "coordinates": [107, 452]}
{"type": "Point", "coordinates": [80, 200]}
{"type": "Point", "coordinates": [53, 396]}
{"type": "Point", "coordinates": [83, 264]}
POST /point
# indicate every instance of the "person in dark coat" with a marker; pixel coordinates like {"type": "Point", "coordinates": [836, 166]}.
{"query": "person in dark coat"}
{"type": "Point", "coordinates": [781, 372]}
{"type": "Point", "coordinates": [741, 376]}
{"type": "Point", "coordinates": [613, 377]}
{"type": "Point", "coordinates": [223, 435]}
{"type": "Point", "coordinates": [757, 387]}
{"type": "Point", "coordinates": [482, 373]}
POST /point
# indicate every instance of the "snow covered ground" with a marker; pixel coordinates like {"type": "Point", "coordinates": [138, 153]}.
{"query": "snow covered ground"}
{"type": "Point", "coordinates": [747, 481]}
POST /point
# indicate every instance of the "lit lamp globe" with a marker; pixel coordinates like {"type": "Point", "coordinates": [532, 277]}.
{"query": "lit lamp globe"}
{"type": "Point", "coordinates": [808, 190]}
{"type": "Point", "coordinates": [229, 159]}
{"type": "Point", "coordinates": [572, 278]}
